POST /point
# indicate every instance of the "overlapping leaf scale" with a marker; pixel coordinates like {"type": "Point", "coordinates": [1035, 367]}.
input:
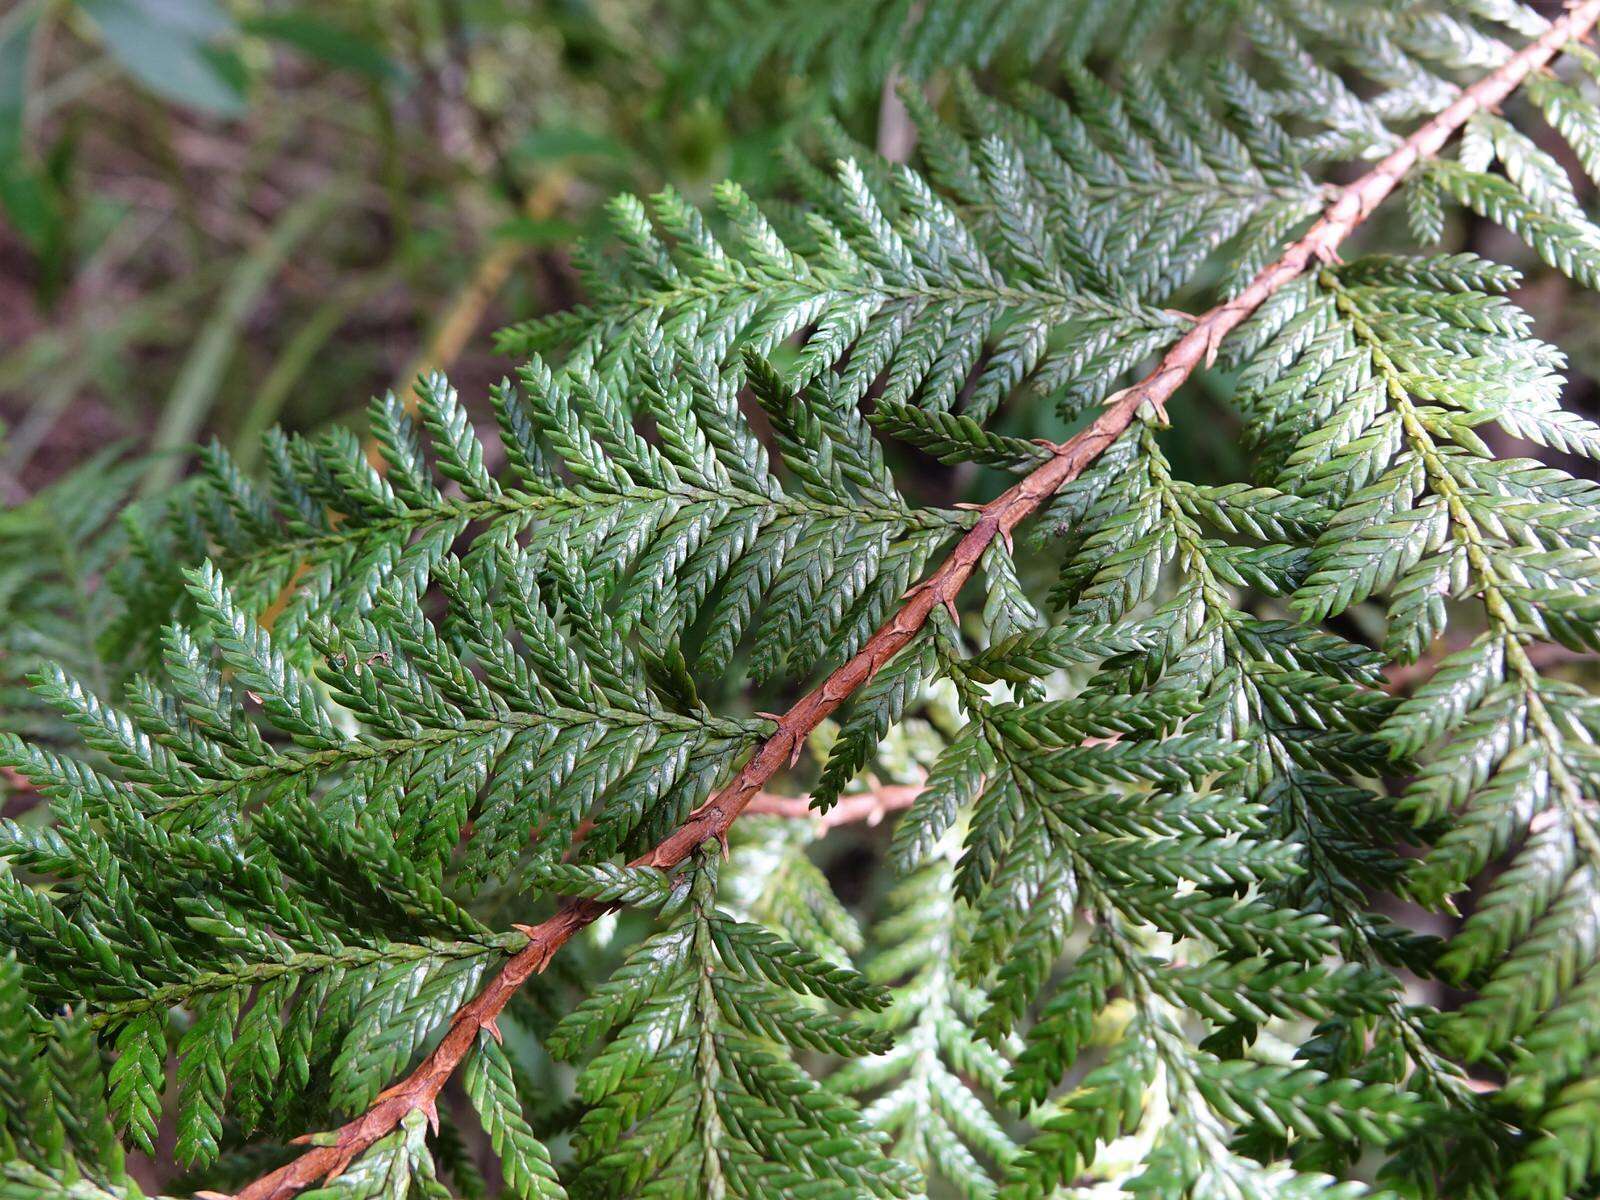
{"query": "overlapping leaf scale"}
{"type": "Point", "coordinates": [1184, 1103]}
{"type": "Point", "coordinates": [1154, 182]}
{"type": "Point", "coordinates": [1041, 254]}
{"type": "Point", "coordinates": [1107, 806]}
{"type": "Point", "coordinates": [1302, 698]}
{"type": "Point", "coordinates": [312, 957]}
{"type": "Point", "coordinates": [56, 1131]}
{"type": "Point", "coordinates": [1400, 51]}
{"type": "Point", "coordinates": [1276, 710]}
{"type": "Point", "coordinates": [902, 282]}
{"type": "Point", "coordinates": [1508, 176]}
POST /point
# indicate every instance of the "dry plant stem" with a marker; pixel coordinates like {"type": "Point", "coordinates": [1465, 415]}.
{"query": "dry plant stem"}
{"type": "Point", "coordinates": [465, 314]}
{"type": "Point", "coordinates": [998, 518]}
{"type": "Point", "coordinates": [897, 133]}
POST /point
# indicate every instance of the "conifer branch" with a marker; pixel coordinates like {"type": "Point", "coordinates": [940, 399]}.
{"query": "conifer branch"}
{"type": "Point", "coordinates": [997, 519]}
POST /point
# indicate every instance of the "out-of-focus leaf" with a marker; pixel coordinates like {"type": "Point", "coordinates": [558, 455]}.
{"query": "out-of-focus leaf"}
{"type": "Point", "coordinates": [16, 36]}
{"type": "Point", "coordinates": [323, 40]}
{"type": "Point", "coordinates": [196, 386]}
{"type": "Point", "coordinates": [198, 19]}
{"type": "Point", "coordinates": [165, 45]}
{"type": "Point", "coordinates": [54, 550]}
{"type": "Point", "coordinates": [567, 141]}
{"type": "Point", "coordinates": [532, 231]}
{"type": "Point", "coordinates": [29, 198]}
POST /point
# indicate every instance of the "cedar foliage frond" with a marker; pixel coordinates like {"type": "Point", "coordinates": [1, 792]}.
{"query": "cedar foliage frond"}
{"type": "Point", "coordinates": [54, 552]}
{"type": "Point", "coordinates": [694, 1092]}
{"type": "Point", "coordinates": [855, 46]}
{"type": "Point", "coordinates": [1026, 255]}
{"type": "Point", "coordinates": [698, 525]}
{"type": "Point", "coordinates": [55, 1129]}
{"type": "Point", "coordinates": [1085, 806]}
{"type": "Point", "coordinates": [1405, 362]}
{"type": "Point", "coordinates": [396, 706]}
{"type": "Point", "coordinates": [934, 1090]}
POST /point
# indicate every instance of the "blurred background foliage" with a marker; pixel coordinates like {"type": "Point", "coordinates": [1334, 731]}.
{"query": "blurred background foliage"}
{"type": "Point", "coordinates": [218, 215]}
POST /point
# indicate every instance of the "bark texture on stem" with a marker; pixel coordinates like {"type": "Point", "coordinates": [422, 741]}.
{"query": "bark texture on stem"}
{"type": "Point", "coordinates": [712, 820]}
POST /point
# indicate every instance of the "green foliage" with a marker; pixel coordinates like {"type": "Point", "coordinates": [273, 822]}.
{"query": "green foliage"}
{"type": "Point", "coordinates": [395, 703]}
{"type": "Point", "coordinates": [773, 881]}
{"type": "Point", "coordinates": [54, 551]}
{"type": "Point", "coordinates": [1019, 264]}
{"type": "Point", "coordinates": [699, 528]}
{"type": "Point", "coordinates": [694, 1092]}
{"type": "Point", "coordinates": [1084, 805]}
{"type": "Point", "coordinates": [390, 1169]}
{"type": "Point", "coordinates": [854, 45]}
{"type": "Point", "coordinates": [1407, 363]}
{"type": "Point", "coordinates": [489, 1082]}
{"type": "Point", "coordinates": [55, 1129]}
{"type": "Point", "coordinates": [932, 1088]}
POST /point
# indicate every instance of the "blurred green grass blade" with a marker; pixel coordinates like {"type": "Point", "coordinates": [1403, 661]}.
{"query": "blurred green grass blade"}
{"type": "Point", "coordinates": [296, 357]}
{"type": "Point", "coordinates": [195, 389]}
{"type": "Point", "coordinates": [332, 44]}
{"type": "Point", "coordinates": [16, 41]}
{"type": "Point", "coordinates": [100, 335]}
{"type": "Point", "coordinates": [26, 197]}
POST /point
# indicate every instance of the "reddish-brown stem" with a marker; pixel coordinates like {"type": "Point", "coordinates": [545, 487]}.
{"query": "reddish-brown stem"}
{"type": "Point", "coordinates": [868, 807]}
{"type": "Point", "coordinates": [1400, 678]}
{"type": "Point", "coordinates": [17, 781]}
{"type": "Point", "coordinates": [711, 821]}
{"type": "Point", "coordinates": [858, 808]}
